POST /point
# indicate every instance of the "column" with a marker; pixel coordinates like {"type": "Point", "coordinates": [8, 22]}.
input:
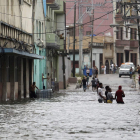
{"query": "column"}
{"type": "Point", "coordinates": [20, 78]}
{"type": "Point", "coordinates": [27, 78]}
{"type": "Point", "coordinates": [4, 78]}
{"type": "Point", "coordinates": [97, 63]}
{"type": "Point", "coordinates": [12, 77]}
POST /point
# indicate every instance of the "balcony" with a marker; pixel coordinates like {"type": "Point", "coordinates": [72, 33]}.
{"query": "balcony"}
{"type": "Point", "coordinates": [61, 44]}
{"type": "Point", "coordinates": [118, 18]}
{"type": "Point", "coordinates": [53, 4]}
{"type": "Point", "coordinates": [53, 41]}
{"type": "Point", "coordinates": [62, 8]}
{"type": "Point", "coordinates": [131, 43]}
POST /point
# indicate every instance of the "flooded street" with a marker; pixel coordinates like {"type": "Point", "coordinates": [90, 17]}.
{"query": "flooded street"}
{"type": "Point", "coordinates": [74, 115]}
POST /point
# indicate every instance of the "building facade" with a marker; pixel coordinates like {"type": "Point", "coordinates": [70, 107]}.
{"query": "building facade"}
{"type": "Point", "coordinates": [16, 49]}
{"type": "Point", "coordinates": [56, 41]}
{"type": "Point", "coordinates": [125, 32]}
{"type": "Point", "coordinates": [40, 68]}
{"type": "Point", "coordinates": [102, 16]}
{"type": "Point", "coordinates": [102, 53]}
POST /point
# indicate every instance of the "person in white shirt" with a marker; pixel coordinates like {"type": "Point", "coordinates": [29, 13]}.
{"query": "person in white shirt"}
{"type": "Point", "coordinates": [101, 98]}
{"type": "Point", "coordinates": [87, 71]}
{"type": "Point", "coordinates": [112, 67]}
{"type": "Point", "coordinates": [105, 69]}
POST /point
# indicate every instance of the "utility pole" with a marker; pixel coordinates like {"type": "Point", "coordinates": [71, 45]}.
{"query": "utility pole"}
{"type": "Point", "coordinates": [92, 18]}
{"type": "Point", "coordinates": [74, 40]}
{"type": "Point", "coordinates": [63, 56]}
{"type": "Point", "coordinates": [138, 29]}
{"type": "Point", "coordinates": [80, 39]}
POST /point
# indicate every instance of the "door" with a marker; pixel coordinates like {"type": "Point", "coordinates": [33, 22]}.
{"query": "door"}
{"type": "Point", "coordinates": [126, 56]}
{"type": "Point", "coordinates": [107, 66]}
{"type": "Point", "coordinates": [101, 63]}
{"type": "Point", "coordinates": [24, 77]}
{"type": "Point", "coordinates": [119, 59]}
{"type": "Point", "coordinates": [134, 58]}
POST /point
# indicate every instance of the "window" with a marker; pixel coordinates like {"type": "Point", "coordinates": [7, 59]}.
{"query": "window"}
{"type": "Point", "coordinates": [110, 47]}
{"type": "Point", "coordinates": [118, 8]}
{"type": "Point", "coordinates": [37, 28]}
{"type": "Point", "coordinates": [126, 32]}
{"type": "Point", "coordinates": [133, 33]}
{"type": "Point", "coordinates": [119, 34]}
{"type": "Point", "coordinates": [88, 32]}
{"type": "Point", "coordinates": [42, 31]}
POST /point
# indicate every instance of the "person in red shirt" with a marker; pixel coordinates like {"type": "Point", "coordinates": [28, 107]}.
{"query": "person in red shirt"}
{"type": "Point", "coordinates": [119, 94]}
{"type": "Point", "coordinates": [139, 80]}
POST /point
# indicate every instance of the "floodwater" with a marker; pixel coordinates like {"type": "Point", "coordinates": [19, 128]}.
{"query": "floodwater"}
{"type": "Point", "coordinates": [71, 115]}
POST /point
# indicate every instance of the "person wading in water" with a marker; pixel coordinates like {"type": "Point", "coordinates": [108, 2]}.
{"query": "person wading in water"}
{"type": "Point", "coordinates": [32, 90]}
{"type": "Point", "coordinates": [119, 95]}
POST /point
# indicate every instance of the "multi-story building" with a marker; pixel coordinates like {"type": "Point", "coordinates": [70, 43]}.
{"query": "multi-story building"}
{"type": "Point", "coordinates": [16, 49]}
{"type": "Point", "coordinates": [102, 17]}
{"type": "Point", "coordinates": [103, 52]}
{"type": "Point", "coordinates": [125, 32]}
{"type": "Point", "coordinates": [55, 40]}
{"type": "Point", "coordinates": [40, 43]}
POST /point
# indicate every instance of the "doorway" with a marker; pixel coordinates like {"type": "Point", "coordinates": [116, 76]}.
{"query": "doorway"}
{"type": "Point", "coordinates": [126, 56]}
{"type": "Point", "coordinates": [107, 66]}
{"type": "Point", "coordinates": [24, 77]}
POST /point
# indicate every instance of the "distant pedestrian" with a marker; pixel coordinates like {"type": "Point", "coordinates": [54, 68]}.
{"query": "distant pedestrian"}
{"type": "Point", "coordinates": [119, 95]}
{"type": "Point", "coordinates": [131, 72]}
{"type": "Point", "coordinates": [96, 80]}
{"type": "Point", "coordinates": [138, 69]}
{"type": "Point", "coordinates": [112, 66]}
{"type": "Point", "coordinates": [96, 72]}
{"type": "Point", "coordinates": [139, 80]}
{"type": "Point", "coordinates": [110, 69]}
{"type": "Point", "coordinates": [48, 80]}
{"type": "Point", "coordinates": [84, 83]}
{"type": "Point", "coordinates": [32, 90]}
{"type": "Point", "coordinates": [87, 78]}
{"type": "Point", "coordinates": [106, 92]}
{"type": "Point", "coordinates": [93, 71]}
{"type": "Point", "coordinates": [101, 98]}
{"type": "Point", "coordinates": [115, 68]}
{"type": "Point", "coordinates": [93, 83]}
{"type": "Point", "coordinates": [105, 69]}
{"type": "Point", "coordinates": [87, 71]}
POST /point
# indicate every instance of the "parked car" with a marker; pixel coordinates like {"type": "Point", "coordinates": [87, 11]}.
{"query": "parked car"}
{"type": "Point", "coordinates": [132, 65]}
{"type": "Point", "coordinates": [124, 70]}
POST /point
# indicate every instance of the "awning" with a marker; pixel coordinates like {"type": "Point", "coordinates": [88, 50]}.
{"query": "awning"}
{"type": "Point", "coordinates": [21, 53]}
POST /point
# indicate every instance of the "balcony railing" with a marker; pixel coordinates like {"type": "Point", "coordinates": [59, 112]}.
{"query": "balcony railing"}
{"type": "Point", "coordinates": [53, 4]}
{"type": "Point", "coordinates": [131, 43]}
{"type": "Point", "coordinates": [53, 41]}
{"type": "Point", "coordinates": [118, 17]}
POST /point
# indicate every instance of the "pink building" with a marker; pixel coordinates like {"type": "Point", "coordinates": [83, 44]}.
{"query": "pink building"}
{"type": "Point", "coordinates": [101, 23]}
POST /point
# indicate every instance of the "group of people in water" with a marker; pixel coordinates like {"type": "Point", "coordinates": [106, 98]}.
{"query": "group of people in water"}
{"type": "Point", "coordinates": [98, 86]}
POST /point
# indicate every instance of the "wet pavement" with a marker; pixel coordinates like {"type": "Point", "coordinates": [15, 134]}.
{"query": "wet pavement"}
{"type": "Point", "coordinates": [74, 115]}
